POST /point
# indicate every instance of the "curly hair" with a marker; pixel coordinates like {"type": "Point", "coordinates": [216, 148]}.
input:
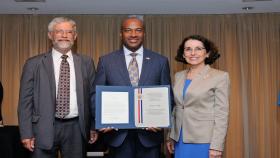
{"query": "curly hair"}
{"type": "Point", "coordinates": [208, 45]}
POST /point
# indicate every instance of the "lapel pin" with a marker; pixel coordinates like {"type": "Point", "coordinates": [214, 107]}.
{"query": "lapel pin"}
{"type": "Point", "coordinates": [148, 58]}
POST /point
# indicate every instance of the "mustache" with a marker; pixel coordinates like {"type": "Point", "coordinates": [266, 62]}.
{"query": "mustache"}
{"type": "Point", "coordinates": [63, 43]}
{"type": "Point", "coordinates": [63, 40]}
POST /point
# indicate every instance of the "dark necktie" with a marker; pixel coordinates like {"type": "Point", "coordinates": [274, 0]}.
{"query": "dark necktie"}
{"type": "Point", "coordinates": [133, 70]}
{"type": "Point", "coordinates": [63, 93]}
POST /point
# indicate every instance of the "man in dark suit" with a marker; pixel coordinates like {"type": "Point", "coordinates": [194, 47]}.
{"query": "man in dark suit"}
{"type": "Point", "coordinates": [55, 93]}
{"type": "Point", "coordinates": [114, 70]}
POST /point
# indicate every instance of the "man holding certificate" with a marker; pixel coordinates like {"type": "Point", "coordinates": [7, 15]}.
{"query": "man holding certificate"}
{"type": "Point", "coordinates": [132, 66]}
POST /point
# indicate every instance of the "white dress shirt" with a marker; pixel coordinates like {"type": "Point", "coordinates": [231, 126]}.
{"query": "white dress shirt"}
{"type": "Point", "coordinates": [73, 95]}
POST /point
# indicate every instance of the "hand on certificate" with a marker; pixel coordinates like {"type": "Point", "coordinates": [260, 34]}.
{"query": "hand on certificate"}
{"type": "Point", "coordinates": [108, 129]}
{"type": "Point", "coordinates": [153, 129]}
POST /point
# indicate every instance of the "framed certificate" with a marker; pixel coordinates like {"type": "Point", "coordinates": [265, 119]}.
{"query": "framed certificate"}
{"type": "Point", "coordinates": [126, 107]}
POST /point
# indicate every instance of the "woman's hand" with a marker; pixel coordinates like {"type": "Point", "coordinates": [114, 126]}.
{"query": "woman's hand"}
{"type": "Point", "coordinates": [215, 154]}
{"type": "Point", "coordinates": [170, 146]}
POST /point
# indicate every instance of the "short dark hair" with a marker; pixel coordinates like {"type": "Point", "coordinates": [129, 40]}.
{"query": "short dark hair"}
{"type": "Point", "coordinates": [208, 45]}
{"type": "Point", "coordinates": [138, 17]}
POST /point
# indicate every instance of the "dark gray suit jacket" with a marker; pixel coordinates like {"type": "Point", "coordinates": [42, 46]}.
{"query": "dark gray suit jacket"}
{"type": "Point", "coordinates": [112, 71]}
{"type": "Point", "coordinates": [36, 109]}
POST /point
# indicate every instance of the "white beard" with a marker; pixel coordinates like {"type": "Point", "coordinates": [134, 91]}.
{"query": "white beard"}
{"type": "Point", "coordinates": [63, 44]}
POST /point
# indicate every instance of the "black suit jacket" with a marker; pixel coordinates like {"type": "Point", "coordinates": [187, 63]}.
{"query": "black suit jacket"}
{"type": "Point", "coordinates": [36, 109]}
{"type": "Point", "coordinates": [112, 71]}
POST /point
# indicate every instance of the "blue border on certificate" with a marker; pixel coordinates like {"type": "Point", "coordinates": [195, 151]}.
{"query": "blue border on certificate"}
{"type": "Point", "coordinates": [130, 90]}
{"type": "Point", "coordinates": [98, 108]}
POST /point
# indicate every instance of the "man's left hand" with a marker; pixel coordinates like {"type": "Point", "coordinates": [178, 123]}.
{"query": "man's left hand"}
{"type": "Point", "coordinates": [93, 136]}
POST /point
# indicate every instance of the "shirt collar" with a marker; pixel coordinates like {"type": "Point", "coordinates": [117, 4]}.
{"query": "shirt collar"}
{"type": "Point", "coordinates": [128, 52]}
{"type": "Point", "coordinates": [57, 55]}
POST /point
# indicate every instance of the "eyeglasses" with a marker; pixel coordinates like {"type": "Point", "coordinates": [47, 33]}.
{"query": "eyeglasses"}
{"type": "Point", "coordinates": [62, 32]}
{"type": "Point", "coordinates": [189, 50]}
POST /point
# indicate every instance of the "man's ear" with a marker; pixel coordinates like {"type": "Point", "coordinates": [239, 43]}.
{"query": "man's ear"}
{"type": "Point", "coordinates": [120, 34]}
{"type": "Point", "coordinates": [50, 35]}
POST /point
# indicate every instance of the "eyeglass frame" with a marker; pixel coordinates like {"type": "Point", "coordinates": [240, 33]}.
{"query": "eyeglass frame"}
{"type": "Point", "coordinates": [196, 50]}
{"type": "Point", "coordinates": [62, 32]}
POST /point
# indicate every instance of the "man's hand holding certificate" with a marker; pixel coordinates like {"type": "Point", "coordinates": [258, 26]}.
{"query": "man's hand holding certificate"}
{"type": "Point", "coordinates": [126, 107]}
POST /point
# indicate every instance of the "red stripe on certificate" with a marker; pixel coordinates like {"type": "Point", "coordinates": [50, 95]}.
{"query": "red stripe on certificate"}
{"type": "Point", "coordinates": [138, 105]}
{"type": "Point", "coordinates": [140, 119]}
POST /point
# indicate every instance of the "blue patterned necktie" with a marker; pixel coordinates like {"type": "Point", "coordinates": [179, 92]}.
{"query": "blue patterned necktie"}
{"type": "Point", "coordinates": [63, 92]}
{"type": "Point", "coordinates": [133, 70]}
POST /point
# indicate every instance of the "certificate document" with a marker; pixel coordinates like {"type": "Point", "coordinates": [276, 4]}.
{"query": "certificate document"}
{"type": "Point", "coordinates": [151, 107]}
{"type": "Point", "coordinates": [114, 107]}
{"type": "Point", "coordinates": [126, 107]}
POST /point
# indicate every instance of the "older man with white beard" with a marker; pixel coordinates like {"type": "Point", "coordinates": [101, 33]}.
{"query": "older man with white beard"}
{"type": "Point", "coordinates": [55, 91]}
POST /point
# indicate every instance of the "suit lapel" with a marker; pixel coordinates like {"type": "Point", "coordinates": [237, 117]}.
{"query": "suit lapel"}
{"type": "Point", "coordinates": [79, 79]}
{"type": "Point", "coordinates": [48, 64]}
{"type": "Point", "coordinates": [120, 62]}
{"type": "Point", "coordinates": [178, 87]}
{"type": "Point", "coordinates": [180, 83]}
{"type": "Point", "coordinates": [146, 67]}
{"type": "Point", "coordinates": [196, 81]}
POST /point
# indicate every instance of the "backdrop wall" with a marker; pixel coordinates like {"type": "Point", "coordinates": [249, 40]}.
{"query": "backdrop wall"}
{"type": "Point", "coordinates": [250, 51]}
